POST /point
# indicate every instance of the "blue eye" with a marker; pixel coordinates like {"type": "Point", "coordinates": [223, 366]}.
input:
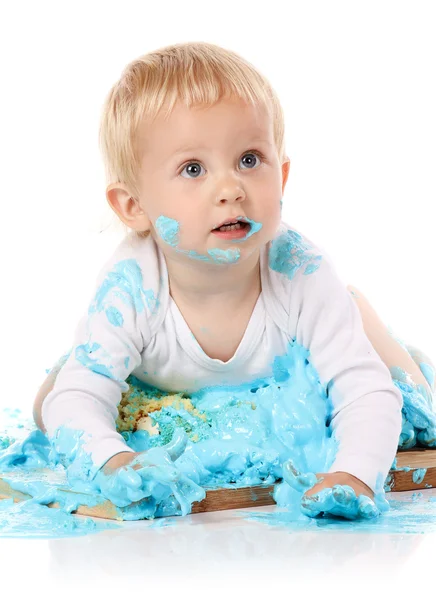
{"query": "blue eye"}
{"type": "Point", "coordinates": [194, 171]}
{"type": "Point", "coordinates": [197, 166]}
{"type": "Point", "coordinates": [252, 154]}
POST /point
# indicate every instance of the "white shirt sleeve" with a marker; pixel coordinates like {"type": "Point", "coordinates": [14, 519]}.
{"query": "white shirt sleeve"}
{"type": "Point", "coordinates": [107, 347]}
{"type": "Point", "coordinates": [365, 404]}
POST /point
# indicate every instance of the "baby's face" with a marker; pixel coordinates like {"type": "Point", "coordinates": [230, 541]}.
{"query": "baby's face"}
{"type": "Point", "coordinates": [203, 166]}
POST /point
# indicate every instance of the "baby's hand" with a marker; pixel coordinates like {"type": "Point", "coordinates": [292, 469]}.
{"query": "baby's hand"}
{"type": "Point", "coordinates": [131, 477]}
{"type": "Point", "coordinates": [340, 494]}
{"type": "Point", "coordinates": [144, 460]}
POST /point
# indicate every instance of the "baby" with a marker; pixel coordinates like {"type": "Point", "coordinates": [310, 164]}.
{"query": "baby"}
{"type": "Point", "coordinates": [209, 285]}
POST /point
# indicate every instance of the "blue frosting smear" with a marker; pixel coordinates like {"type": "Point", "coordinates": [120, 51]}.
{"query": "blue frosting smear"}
{"type": "Point", "coordinates": [34, 520]}
{"type": "Point", "coordinates": [125, 282]}
{"type": "Point", "coordinates": [168, 229]}
{"type": "Point", "coordinates": [429, 373]}
{"type": "Point", "coordinates": [268, 431]}
{"type": "Point", "coordinates": [289, 252]}
{"type": "Point", "coordinates": [418, 475]}
{"type": "Point", "coordinates": [25, 454]}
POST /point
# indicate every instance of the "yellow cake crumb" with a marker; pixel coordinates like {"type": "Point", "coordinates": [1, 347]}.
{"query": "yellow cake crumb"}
{"type": "Point", "coordinates": [135, 407]}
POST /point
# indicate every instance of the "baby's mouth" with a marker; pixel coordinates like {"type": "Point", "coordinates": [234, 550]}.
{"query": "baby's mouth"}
{"type": "Point", "coordinates": [233, 227]}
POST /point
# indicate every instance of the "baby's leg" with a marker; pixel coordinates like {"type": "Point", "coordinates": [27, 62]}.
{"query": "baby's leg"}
{"type": "Point", "coordinates": [392, 353]}
{"type": "Point", "coordinates": [45, 389]}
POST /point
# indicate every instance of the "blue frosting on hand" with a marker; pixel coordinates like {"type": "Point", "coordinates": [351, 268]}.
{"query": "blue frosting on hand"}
{"type": "Point", "coordinates": [339, 500]}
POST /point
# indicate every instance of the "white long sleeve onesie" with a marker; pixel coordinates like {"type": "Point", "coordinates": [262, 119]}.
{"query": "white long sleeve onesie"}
{"type": "Point", "coordinates": [133, 326]}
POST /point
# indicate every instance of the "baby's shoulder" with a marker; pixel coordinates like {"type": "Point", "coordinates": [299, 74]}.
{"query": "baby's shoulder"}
{"type": "Point", "coordinates": [133, 258]}
{"type": "Point", "coordinates": [133, 268]}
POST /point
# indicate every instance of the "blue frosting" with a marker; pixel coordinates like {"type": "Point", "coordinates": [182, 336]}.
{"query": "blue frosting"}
{"type": "Point", "coordinates": [418, 412]}
{"type": "Point", "coordinates": [289, 252]}
{"type": "Point", "coordinates": [31, 519]}
{"type": "Point", "coordinates": [418, 475]}
{"type": "Point", "coordinates": [271, 431]}
{"type": "Point", "coordinates": [126, 279]}
{"type": "Point", "coordinates": [429, 373]}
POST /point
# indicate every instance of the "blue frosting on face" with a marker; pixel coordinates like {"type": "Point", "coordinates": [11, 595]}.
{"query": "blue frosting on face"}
{"type": "Point", "coordinates": [254, 228]}
{"type": "Point", "coordinates": [168, 230]}
{"type": "Point", "coordinates": [216, 256]}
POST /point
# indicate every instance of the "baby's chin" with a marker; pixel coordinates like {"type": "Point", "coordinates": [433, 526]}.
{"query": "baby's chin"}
{"type": "Point", "coordinates": [221, 248]}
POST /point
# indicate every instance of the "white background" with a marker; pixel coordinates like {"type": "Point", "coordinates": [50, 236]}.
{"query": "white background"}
{"type": "Point", "coordinates": [357, 84]}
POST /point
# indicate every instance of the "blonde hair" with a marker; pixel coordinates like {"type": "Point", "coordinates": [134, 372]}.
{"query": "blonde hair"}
{"type": "Point", "coordinates": [193, 73]}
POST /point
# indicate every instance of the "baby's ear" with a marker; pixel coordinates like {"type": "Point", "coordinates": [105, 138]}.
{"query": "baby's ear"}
{"type": "Point", "coordinates": [286, 165]}
{"type": "Point", "coordinates": [127, 208]}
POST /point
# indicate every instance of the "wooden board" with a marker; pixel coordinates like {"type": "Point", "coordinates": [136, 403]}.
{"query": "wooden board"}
{"type": "Point", "coordinates": [418, 458]}
{"type": "Point", "coordinates": [230, 498]}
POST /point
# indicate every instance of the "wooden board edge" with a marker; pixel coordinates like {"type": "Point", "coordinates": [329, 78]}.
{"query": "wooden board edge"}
{"type": "Point", "coordinates": [228, 499]}
{"type": "Point", "coordinates": [416, 458]}
{"type": "Point", "coordinates": [233, 498]}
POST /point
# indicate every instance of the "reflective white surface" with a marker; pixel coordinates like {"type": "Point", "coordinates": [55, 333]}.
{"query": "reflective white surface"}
{"type": "Point", "coordinates": [222, 554]}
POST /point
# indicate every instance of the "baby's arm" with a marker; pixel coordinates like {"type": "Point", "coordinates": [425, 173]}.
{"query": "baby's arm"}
{"type": "Point", "coordinates": [365, 404]}
{"type": "Point", "coordinates": [87, 390]}
{"type": "Point", "coordinates": [118, 460]}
